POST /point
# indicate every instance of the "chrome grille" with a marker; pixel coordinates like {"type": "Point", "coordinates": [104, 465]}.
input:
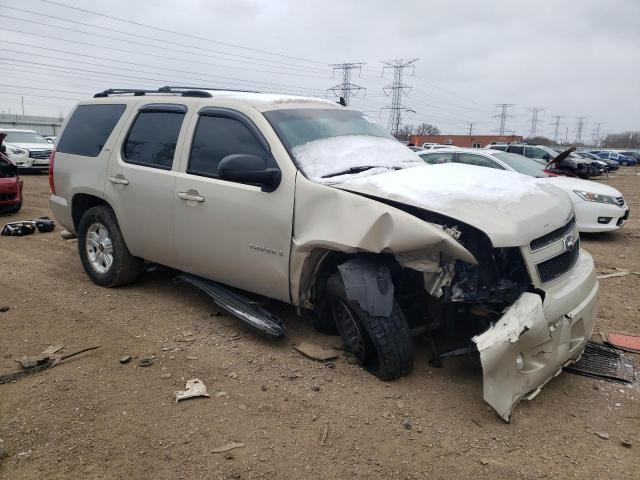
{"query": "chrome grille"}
{"type": "Point", "coordinates": [39, 154]}
{"type": "Point", "coordinates": [620, 201]}
{"type": "Point", "coordinates": [553, 236]}
{"type": "Point", "coordinates": [559, 265]}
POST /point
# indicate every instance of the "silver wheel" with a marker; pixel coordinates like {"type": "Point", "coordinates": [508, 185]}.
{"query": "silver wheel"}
{"type": "Point", "coordinates": [99, 247]}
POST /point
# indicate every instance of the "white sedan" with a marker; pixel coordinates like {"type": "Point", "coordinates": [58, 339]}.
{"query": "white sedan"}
{"type": "Point", "coordinates": [598, 207]}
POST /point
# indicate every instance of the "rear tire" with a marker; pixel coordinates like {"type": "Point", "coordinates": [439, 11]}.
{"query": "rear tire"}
{"type": "Point", "coordinates": [103, 251]}
{"type": "Point", "coordinates": [382, 345]}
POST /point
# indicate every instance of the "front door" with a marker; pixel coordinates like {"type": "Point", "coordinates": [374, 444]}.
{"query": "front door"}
{"type": "Point", "coordinates": [233, 233]}
{"type": "Point", "coordinates": [140, 180]}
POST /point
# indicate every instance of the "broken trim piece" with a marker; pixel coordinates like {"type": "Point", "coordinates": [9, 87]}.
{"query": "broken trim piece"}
{"type": "Point", "coordinates": [369, 284]}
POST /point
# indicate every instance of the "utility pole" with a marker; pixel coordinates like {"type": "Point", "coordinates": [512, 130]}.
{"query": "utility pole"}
{"type": "Point", "coordinates": [534, 120]}
{"type": "Point", "coordinates": [346, 89]}
{"type": "Point", "coordinates": [556, 128]}
{"type": "Point", "coordinates": [22, 100]}
{"type": "Point", "coordinates": [471, 124]}
{"type": "Point", "coordinates": [503, 115]}
{"type": "Point", "coordinates": [579, 128]}
{"type": "Point", "coordinates": [595, 135]}
{"type": "Point", "coordinates": [396, 90]}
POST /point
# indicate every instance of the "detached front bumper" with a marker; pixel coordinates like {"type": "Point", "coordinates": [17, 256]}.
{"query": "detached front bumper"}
{"type": "Point", "coordinates": [533, 340]}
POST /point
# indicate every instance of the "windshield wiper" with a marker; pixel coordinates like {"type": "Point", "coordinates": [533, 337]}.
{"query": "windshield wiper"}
{"type": "Point", "coordinates": [353, 170]}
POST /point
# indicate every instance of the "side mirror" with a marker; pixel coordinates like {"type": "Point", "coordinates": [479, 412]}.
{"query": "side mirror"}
{"type": "Point", "coordinates": [249, 169]}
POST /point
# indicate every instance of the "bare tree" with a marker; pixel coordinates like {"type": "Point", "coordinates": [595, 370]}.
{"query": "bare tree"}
{"type": "Point", "coordinates": [539, 140]}
{"type": "Point", "coordinates": [427, 129]}
{"type": "Point", "coordinates": [622, 140]}
{"type": "Point", "coordinates": [405, 131]}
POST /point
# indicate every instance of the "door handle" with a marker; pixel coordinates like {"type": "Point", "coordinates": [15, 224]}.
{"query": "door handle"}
{"type": "Point", "coordinates": [191, 196]}
{"type": "Point", "coordinates": [119, 180]}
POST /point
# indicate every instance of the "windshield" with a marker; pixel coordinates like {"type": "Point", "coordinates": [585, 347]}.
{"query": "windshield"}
{"type": "Point", "coordinates": [25, 137]}
{"type": "Point", "coordinates": [329, 143]}
{"type": "Point", "coordinates": [522, 164]}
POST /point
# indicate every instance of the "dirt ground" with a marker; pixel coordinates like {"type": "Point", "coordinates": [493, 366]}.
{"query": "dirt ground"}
{"type": "Point", "coordinates": [92, 417]}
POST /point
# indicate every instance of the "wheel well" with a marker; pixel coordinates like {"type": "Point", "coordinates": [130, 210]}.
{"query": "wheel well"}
{"type": "Point", "coordinates": [82, 202]}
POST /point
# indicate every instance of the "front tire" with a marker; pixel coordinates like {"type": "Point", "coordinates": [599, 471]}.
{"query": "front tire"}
{"type": "Point", "coordinates": [382, 345]}
{"type": "Point", "coordinates": [103, 251]}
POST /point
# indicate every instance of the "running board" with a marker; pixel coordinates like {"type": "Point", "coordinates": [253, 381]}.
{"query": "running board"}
{"type": "Point", "coordinates": [237, 305]}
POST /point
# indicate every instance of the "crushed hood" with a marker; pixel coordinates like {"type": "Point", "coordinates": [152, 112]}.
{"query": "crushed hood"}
{"type": "Point", "coordinates": [511, 208]}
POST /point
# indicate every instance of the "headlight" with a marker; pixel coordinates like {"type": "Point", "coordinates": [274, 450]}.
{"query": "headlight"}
{"type": "Point", "coordinates": [595, 197]}
{"type": "Point", "coordinates": [17, 151]}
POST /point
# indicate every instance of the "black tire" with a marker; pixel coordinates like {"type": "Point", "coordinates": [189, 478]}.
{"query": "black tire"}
{"type": "Point", "coordinates": [125, 268]}
{"type": "Point", "coordinates": [382, 345]}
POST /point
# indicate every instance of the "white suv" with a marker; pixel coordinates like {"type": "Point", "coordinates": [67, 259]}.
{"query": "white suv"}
{"type": "Point", "coordinates": [307, 202]}
{"type": "Point", "coordinates": [27, 149]}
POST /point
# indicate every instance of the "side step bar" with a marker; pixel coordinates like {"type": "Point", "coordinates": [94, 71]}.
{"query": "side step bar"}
{"type": "Point", "coordinates": [236, 304]}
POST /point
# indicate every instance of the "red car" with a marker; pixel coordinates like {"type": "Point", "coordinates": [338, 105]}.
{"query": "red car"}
{"type": "Point", "coordinates": [10, 183]}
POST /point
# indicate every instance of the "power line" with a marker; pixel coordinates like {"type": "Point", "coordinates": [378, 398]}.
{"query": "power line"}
{"type": "Point", "coordinates": [135, 35]}
{"type": "Point", "coordinates": [579, 127]}
{"type": "Point", "coordinates": [556, 129]}
{"type": "Point", "coordinates": [346, 89]}
{"type": "Point", "coordinates": [186, 35]}
{"type": "Point", "coordinates": [503, 115]}
{"type": "Point", "coordinates": [396, 90]}
{"type": "Point", "coordinates": [534, 120]}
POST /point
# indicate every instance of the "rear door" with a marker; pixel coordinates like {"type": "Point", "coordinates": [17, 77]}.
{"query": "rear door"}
{"type": "Point", "coordinates": [232, 232]}
{"type": "Point", "coordinates": [140, 180]}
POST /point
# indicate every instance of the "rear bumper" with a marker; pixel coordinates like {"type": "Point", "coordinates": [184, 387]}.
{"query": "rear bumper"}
{"type": "Point", "coordinates": [62, 212]}
{"type": "Point", "coordinates": [10, 192]}
{"type": "Point", "coordinates": [533, 340]}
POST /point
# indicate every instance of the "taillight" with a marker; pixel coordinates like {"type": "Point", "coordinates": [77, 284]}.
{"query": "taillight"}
{"type": "Point", "coordinates": [52, 183]}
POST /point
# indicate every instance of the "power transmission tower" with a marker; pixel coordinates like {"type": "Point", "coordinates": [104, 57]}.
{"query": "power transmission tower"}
{"type": "Point", "coordinates": [503, 115]}
{"type": "Point", "coordinates": [579, 128]}
{"type": "Point", "coordinates": [471, 124]}
{"type": "Point", "coordinates": [534, 120]}
{"type": "Point", "coordinates": [556, 128]}
{"type": "Point", "coordinates": [396, 90]}
{"type": "Point", "coordinates": [595, 135]}
{"type": "Point", "coordinates": [346, 89]}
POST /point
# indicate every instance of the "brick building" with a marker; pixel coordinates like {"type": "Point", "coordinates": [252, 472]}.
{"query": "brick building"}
{"type": "Point", "coordinates": [467, 141]}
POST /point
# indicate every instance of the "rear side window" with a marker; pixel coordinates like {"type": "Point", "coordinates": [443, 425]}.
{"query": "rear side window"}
{"type": "Point", "coordinates": [89, 128]}
{"type": "Point", "coordinates": [152, 139]}
{"type": "Point", "coordinates": [471, 159]}
{"type": "Point", "coordinates": [516, 149]}
{"type": "Point", "coordinates": [217, 137]}
{"type": "Point", "coordinates": [435, 158]}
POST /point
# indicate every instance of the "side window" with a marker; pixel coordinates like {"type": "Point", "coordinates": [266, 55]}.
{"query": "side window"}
{"type": "Point", "coordinates": [153, 137]}
{"type": "Point", "coordinates": [215, 138]}
{"type": "Point", "coordinates": [89, 128]}
{"type": "Point", "coordinates": [471, 159]}
{"type": "Point", "coordinates": [439, 157]}
{"type": "Point", "coordinates": [516, 149]}
{"type": "Point", "coordinates": [538, 153]}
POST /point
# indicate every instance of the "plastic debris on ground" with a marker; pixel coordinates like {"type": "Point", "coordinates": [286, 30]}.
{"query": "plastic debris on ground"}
{"type": "Point", "coordinates": [194, 388]}
{"type": "Point", "coordinates": [603, 362]}
{"type": "Point", "coordinates": [315, 352]}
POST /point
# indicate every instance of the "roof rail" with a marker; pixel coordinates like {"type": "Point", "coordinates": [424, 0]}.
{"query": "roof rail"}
{"type": "Point", "coordinates": [185, 91]}
{"type": "Point", "coordinates": [180, 88]}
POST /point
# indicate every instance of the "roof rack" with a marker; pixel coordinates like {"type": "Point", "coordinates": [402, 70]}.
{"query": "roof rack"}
{"type": "Point", "coordinates": [203, 92]}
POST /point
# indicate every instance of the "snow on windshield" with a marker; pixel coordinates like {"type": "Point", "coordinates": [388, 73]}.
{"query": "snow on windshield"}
{"type": "Point", "coordinates": [328, 156]}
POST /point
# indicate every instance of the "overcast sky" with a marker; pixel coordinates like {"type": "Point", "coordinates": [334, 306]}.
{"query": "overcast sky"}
{"type": "Point", "coordinates": [571, 57]}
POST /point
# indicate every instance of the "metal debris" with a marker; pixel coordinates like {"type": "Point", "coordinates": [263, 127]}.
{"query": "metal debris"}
{"type": "Point", "coordinates": [4, 309]}
{"type": "Point", "coordinates": [145, 362]}
{"type": "Point", "coordinates": [125, 359]}
{"type": "Point", "coordinates": [603, 362]}
{"type": "Point", "coordinates": [194, 388]}
{"type": "Point", "coordinates": [602, 435]}
{"type": "Point", "coordinates": [227, 447]}
{"type": "Point", "coordinates": [325, 434]}
{"type": "Point", "coordinates": [315, 352]}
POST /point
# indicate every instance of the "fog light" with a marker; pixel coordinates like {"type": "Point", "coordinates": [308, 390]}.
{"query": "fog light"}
{"type": "Point", "coordinates": [519, 362]}
{"type": "Point", "coordinates": [604, 219]}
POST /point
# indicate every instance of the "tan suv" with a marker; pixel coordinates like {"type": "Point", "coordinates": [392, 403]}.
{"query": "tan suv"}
{"type": "Point", "coordinates": [307, 202]}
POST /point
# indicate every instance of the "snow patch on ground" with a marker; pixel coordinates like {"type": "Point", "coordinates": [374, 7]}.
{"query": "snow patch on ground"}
{"type": "Point", "coordinates": [332, 155]}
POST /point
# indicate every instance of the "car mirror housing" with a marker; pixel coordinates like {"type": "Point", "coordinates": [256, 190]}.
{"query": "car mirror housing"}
{"type": "Point", "coordinates": [249, 169]}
